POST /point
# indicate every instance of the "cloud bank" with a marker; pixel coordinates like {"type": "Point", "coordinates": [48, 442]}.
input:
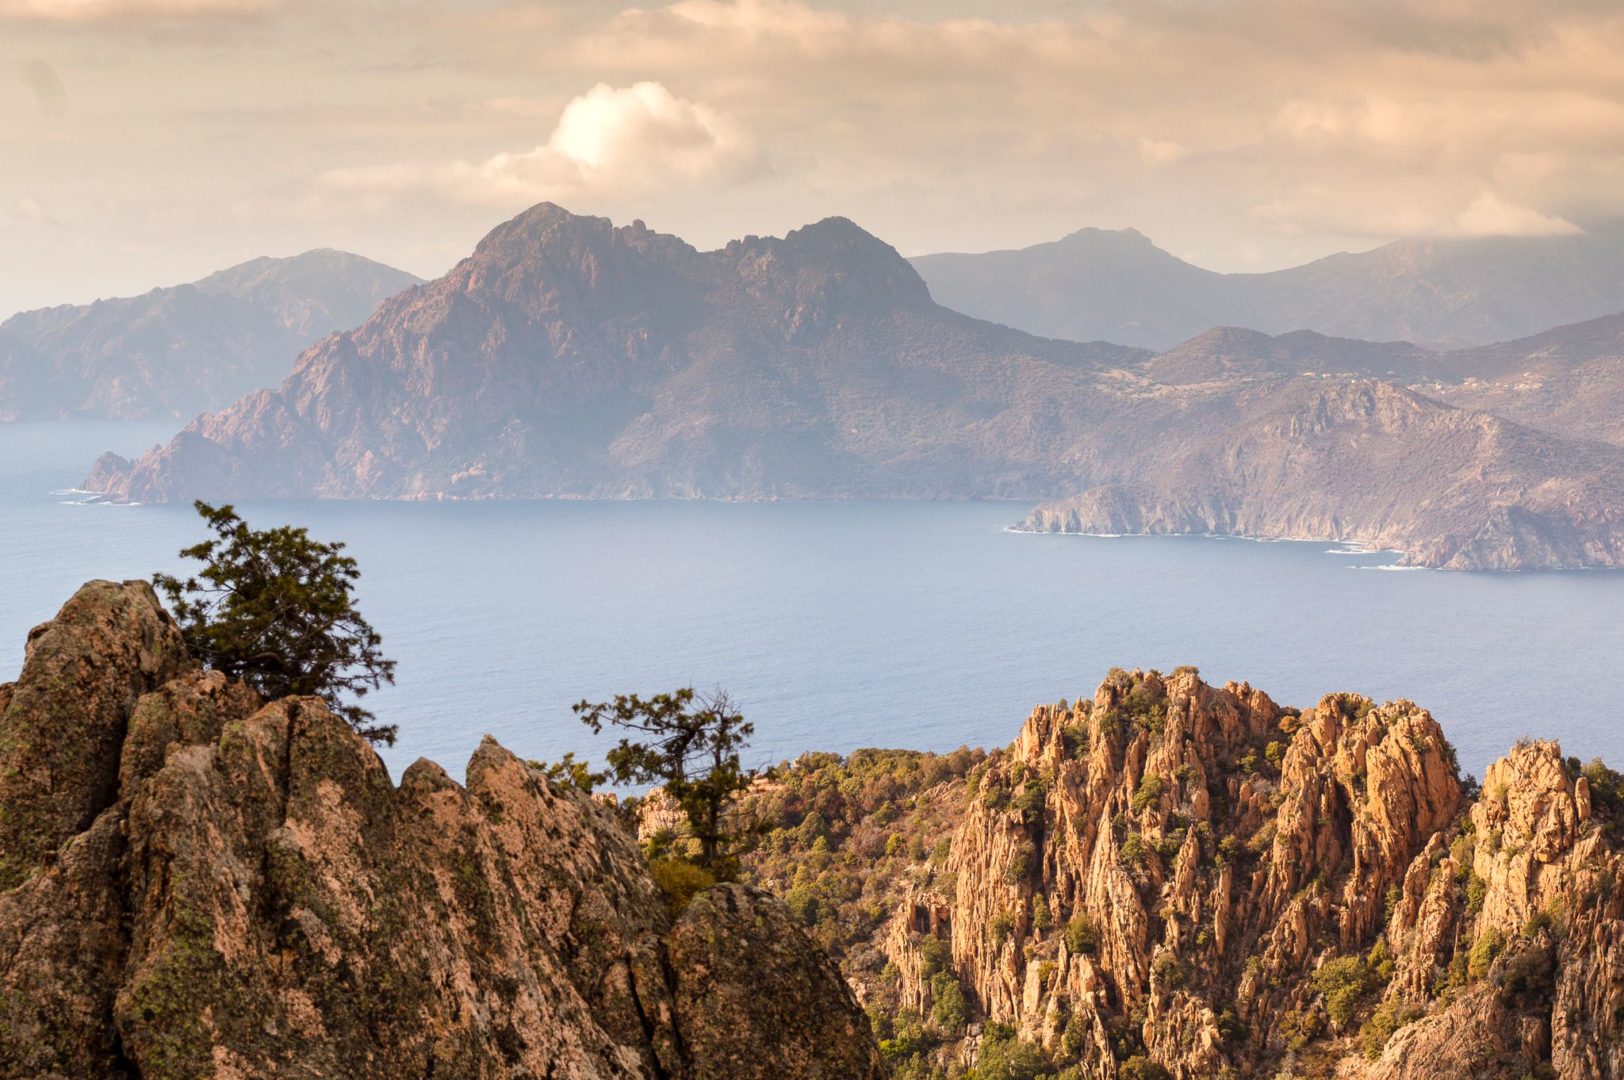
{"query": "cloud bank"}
{"type": "Point", "coordinates": [1242, 134]}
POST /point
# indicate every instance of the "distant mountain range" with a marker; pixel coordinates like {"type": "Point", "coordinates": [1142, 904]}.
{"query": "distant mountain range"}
{"type": "Point", "coordinates": [570, 358]}
{"type": "Point", "coordinates": [175, 351]}
{"type": "Point", "coordinates": [1118, 286]}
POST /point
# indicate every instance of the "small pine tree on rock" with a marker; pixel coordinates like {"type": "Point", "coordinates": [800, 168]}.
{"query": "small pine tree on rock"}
{"type": "Point", "coordinates": [276, 609]}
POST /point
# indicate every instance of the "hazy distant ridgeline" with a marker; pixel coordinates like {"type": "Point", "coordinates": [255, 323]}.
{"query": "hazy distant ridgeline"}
{"type": "Point", "coordinates": [570, 358]}
{"type": "Point", "coordinates": [1119, 286]}
{"type": "Point", "coordinates": [175, 351]}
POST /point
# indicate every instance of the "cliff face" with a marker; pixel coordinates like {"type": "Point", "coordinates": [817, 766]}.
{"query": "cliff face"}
{"type": "Point", "coordinates": [1200, 878]}
{"type": "Point", "coordinates": [198, 883]}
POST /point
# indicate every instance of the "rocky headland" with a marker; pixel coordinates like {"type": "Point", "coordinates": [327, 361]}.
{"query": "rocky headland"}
{"type": "Point", "coordinates": [570, 358]}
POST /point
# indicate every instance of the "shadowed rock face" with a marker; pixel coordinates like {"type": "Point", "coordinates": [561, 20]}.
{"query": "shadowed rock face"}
{"type": "Point", "coordinates": [233, 888]}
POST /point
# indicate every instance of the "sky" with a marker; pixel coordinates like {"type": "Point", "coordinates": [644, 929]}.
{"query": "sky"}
{"type": "Point", "coordinates": [148, 142]}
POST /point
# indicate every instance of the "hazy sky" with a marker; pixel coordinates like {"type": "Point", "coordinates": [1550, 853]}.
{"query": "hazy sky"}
{"type": "Point", "coordinates": [145, 142]}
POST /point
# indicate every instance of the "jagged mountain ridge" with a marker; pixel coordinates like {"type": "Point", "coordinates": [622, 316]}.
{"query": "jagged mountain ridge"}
{"type": "Point", "coordinates": [175, 351]}
{"type": "Point", "coordinates": [195, 882]}
{"type": "Point", "coordinates": [1119, 286]}
{"type": "Point", "coordinates": [570, 358]}
{"type": "Point", "coordinates": [1201, 879]}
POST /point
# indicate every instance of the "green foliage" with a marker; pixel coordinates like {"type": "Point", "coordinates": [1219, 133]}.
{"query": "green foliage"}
{"type": "Point", "coordinates": [1150, 791]}
{"type": "Point", "coordinates": [949, 1009]}
{"type": "Point", "coordinates": [1031, 799]}
{"type": "Point", "coordinates": [276, 610]}
{"type": "Point", "coordinates": [1476, 890]}
{"type": "Point", "coordinates": [1167, 970]}
{"type": "Point", "coordinates": [693, 752]}
{"type": "Point", "coordinates": [1001, 926]}
{"type": "Point", "coordinates": [1342, 982]}
{"type": "Point", "coordinates": [1079, 936]}
{"type": "Point", "coordinates": [567, 772]}
{"type": "Point", "coordinates": [1380, 961]}
{"type": "Point", "coordinates": [1387, 1019]}
{"type": "Point", "coordinates": [680, 881]}
{"type": "Point", "coordinates": [1140, 1067]}
{"type": "Point", "coordinates": [1484, 950]}
{"type": "Point", "coordinates": [1005, 1056]}
{"type": "Point", "coordinates": [1133, 852]}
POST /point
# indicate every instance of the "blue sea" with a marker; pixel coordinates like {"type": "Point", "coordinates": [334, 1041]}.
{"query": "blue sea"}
{"type": "Point", "coordinates": [841, 625]}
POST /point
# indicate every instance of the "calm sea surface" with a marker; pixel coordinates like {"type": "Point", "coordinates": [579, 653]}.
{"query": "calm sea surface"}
{"type": "Point", "coordinates": [839, 625]}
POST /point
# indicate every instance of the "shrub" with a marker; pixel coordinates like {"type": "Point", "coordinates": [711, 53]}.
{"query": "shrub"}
{"type": "Point", "coordinates": [1342, 982]}
{"type": "Point", "coordinates": [680, 881]}
{"type": "Point", "coordinates": [1133, 851]}
{"type": "Point", "coordinates": [1387, 1019]}
{"type": "Point", "coordinates": [1079, 936]}
{"type": "Point", "coordinates": [1005, 1056]}
{"type": "Point", "coordinates": [567, 772]}
{"type": "Point", "coordinates": [1150, 791]}
{"type": "Point", "coordinates": [1140, 1067]}
{"type": "Point", "coordinates": [948, 1008]}
{"type": "Point", "coordinates": [1484, 950]}
{"type": "Point", "coordinates": [1167, 970]}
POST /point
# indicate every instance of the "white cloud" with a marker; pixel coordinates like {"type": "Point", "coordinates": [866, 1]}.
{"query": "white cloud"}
{"type": "Point", "coordinates": [610, 140]}
{"type": "Point", "coordinates": [1490, 215]}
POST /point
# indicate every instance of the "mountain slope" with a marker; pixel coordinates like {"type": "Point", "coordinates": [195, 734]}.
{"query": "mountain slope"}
{"type": "Point", "coordinates": [1567, 381]}
{"type": "Point", "coordinates": [570, 357]}
{"type": "Point", "coordinates": [175, 351]}
{"type": "Point", "coordinates": [1439, 292]}
{"type": "Point", "coordinates": [194, 882]}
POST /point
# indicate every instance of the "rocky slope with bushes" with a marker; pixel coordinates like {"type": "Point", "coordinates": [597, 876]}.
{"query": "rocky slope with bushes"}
{"type": "Point", "coordinates": [1176, 879]}
{"type": "Point", "coordinates": [198, 883]}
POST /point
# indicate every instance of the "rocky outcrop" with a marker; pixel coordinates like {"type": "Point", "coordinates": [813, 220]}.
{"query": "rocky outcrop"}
{"type": "Point", "coordinates": [1222, 886]}
{"type": "Point", "coordinates": [207, 885]}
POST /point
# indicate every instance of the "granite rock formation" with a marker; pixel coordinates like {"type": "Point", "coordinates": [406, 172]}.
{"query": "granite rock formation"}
{"type": "Point", "coordinates": [1197, 879]}
{"type": "Point", "coordinates": [199, 883]}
